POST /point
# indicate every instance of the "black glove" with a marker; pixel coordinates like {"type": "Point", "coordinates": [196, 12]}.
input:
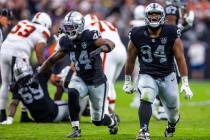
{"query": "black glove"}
{"type": "Point", "coordinates": [95, 52]}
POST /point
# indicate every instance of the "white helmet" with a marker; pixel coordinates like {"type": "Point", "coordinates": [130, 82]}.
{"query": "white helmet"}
{"type": "Point", "coordinates": [22, 69]}
{"type": "Point", "coordinates": [139, 12]}
{"type": "Point", "coordinates": [73, 24]}
{"type": "Point", "coordinates": [153, 21]}
{"type": "Point", "coordinates": [43, 19]}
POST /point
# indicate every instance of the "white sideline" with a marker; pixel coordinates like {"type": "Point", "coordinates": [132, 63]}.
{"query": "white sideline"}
{"type": "Point", "coordinates": [198, 103]}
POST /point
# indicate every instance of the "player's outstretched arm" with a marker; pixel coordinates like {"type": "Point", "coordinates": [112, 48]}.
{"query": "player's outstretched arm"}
{"type": "Point", "coordinates": [104, 45]}
{"type": "Point", "coordinates": [129, 66]}
{"type": "Point", "coordinates": [180, 58]}
{"type": "Point", "coordinates": [51, 61]}
{"type": "Point", "coordinates": [12, 110]}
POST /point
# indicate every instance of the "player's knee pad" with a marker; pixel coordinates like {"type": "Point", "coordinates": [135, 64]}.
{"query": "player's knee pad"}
{"type": "Point", "coordinates": [78, 84]}
{"type": "Point", "coordinates": [148, 88]}
{"type": "Point", "coordinates": [148, 95]}
{"type": "Point", "coordinates": [173, 114]}
{"type": "Point", "coordinates": [73, 91]}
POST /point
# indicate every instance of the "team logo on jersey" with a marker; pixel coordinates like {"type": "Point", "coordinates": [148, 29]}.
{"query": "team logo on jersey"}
{"type": "Point", "coordinates": [84, 45]}
{"type": "Point", "coordinates": [163, 40]}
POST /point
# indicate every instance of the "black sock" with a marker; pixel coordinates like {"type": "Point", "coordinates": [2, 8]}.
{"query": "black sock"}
{"type": "Point", "coordinates": [73, 103]}
{"type": "Point", "coordinates": [145, 113]}
{"type": "Point", "coordinates": [3, 115]}
{"type": "Point", "coordinates": [24, 114]}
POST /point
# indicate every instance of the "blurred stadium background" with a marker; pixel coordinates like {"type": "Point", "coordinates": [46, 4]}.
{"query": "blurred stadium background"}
{"type": "Point", "coordinates": [195, 122]}
{"type": "Point", "coordinates": [120, 12]}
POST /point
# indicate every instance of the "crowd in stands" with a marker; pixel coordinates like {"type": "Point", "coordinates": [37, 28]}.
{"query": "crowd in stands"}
{"type": "Point", "coordinates": [120, 13]}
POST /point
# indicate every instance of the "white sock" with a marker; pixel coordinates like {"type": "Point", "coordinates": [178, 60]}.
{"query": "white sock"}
{"type": "Point", "coordinates": [75, 123]}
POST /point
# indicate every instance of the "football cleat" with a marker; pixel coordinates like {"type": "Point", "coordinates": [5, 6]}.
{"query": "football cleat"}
{"type": "Point", "coordinates": [76, 132]}
{"type": "Point", "coordinates": [170, 129]}
{"type": "Point", "coordinates": [143, 134]}
{"type": "Point", "coordinates": [114, 128]}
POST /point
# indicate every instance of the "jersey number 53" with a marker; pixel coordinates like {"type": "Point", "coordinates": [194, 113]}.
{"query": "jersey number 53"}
{"type": "Point", "coordinates": [23, 31]}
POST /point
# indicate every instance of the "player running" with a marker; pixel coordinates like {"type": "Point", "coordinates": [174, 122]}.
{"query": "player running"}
{"type": "Point", "coordinates": [84, 48]}
{"type": "Point", "coordinates": [156, 45]}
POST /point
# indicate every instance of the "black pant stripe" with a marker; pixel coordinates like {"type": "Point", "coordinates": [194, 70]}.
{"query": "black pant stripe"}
{"type": "Point", "coordinates": [12, 66]}
{"type": "Point", "coordinates": [102, 114]}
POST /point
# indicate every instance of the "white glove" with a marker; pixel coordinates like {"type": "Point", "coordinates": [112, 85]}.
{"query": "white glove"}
{"type": "Point", "coordinates": [9, 121]}
{"type": "Point", "coordinates": [128, 87]}
{"type": "Point", "coordinates": [189, 18]}
{"type": "Point", "coordinates": [186, 88]}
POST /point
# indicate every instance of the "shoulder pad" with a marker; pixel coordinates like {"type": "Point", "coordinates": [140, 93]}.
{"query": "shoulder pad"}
{"type": "Point", "coordinates": [136, 32]}
{"type": "Point", "coordinates": [65, 43]}
{"type": "Point", "coordinates": [91, 34]}
{"type": "Point", "coordinates": [172, 30]}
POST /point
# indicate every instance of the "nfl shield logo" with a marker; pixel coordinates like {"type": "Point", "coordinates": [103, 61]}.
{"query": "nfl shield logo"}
{"type": "Point", "coordinates": [164, 40]}
{"type": "Point", "coordinates": [84, 45]}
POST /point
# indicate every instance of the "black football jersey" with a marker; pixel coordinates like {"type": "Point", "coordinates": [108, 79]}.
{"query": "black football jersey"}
{"type": "Point", "coordinates": [90, 70]}
{"type": "Point", "coordinates": [172, 10]}
{"type": "Point", "coordinates": [155, 55]}
{"type": "Point", "coordinates": [41, 107]}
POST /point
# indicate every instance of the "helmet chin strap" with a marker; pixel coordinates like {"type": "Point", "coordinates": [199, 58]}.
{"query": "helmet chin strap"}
{"type": "Point", "coordinates": [154, 28]}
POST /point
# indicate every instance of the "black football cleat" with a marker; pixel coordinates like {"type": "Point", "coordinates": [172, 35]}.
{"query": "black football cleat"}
{"type": "Point", "coordinates": [114, 128]}
{"type": "Point", "coordinates": [76, 132]}
{"type": "Point", "coordinates": [143, 135]}
{"type": "Point", "coordinates": [170, 129]}
{"type": "Point", "coordinates": [3, 115]}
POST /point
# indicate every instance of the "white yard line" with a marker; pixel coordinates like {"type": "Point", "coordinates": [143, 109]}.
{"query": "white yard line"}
{"type": "Point", "coordinates": [198, 103]}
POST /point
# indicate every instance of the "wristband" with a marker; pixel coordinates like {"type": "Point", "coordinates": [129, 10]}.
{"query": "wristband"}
{"type": "Point", "coordinates": [185, 80]}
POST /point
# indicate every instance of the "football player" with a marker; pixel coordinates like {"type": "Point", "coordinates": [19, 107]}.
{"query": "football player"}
{"type": "Point", "coordinates": [23, 38]}
{"type": "Point", "coordinates": [114, 61]}
{"type": "Point", "coordinates": [174, 16]}
{"type": "Point", "coordinates": [156, 45]}
{"type": "Point", "coordinates": [41, 107]}
{"type": "Point", "coordinates": [173, 11]}
{"type": "Point", "coordinates": [84, 48]}
{"type": "Point", "coordinates": [157, 110]}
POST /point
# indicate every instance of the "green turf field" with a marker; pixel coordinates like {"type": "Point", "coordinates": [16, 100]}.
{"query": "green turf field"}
{"type": "Point", "coordinates": [194, 123]}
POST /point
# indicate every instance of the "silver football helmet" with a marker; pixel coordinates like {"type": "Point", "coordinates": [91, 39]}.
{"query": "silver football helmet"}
{"type": "Point", "coordinates": [22, 69]}
{"type": "Point", "coordinates": [154, 15]}
{"type": "Point", "coordinates": [73, 24]}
